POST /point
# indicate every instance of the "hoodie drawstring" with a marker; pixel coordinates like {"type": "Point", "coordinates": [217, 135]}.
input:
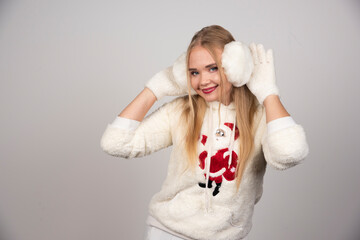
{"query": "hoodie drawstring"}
{"type": "Point", "coordinates": [232, 137]}
{"type": "Point", "coordinates": [208, 164]}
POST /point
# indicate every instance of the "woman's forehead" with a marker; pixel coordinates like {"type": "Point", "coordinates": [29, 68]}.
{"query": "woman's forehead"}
{"type": "Point", "coordinates": [200, 57]}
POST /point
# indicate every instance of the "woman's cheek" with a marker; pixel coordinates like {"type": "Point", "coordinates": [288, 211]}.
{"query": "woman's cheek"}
{"type": "Point", "coordinates": [193, 83]}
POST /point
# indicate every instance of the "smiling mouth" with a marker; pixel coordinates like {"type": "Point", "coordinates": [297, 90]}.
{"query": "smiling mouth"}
{"type": "Point", "coordinates": [209, 90]}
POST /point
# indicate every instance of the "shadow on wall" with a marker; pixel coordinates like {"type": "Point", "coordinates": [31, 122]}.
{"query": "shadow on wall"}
{"type": "Point", "coordinates": [356, 232]}
{"type": "Point", "coordinates": [4, 7]}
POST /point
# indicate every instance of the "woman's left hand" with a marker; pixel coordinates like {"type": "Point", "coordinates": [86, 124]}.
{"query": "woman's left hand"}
{"type": "Point", "coordinates": [262, 82]}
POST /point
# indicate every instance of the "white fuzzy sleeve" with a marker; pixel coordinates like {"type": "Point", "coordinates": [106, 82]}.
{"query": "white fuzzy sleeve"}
{"type": "Point", "coordinates": [152, 134]}
{"type": "Point", "coordinates": [285, 147]}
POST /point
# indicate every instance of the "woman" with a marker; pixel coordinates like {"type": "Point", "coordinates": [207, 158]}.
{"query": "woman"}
{"type": "Point", "coordinates": [225, 126]}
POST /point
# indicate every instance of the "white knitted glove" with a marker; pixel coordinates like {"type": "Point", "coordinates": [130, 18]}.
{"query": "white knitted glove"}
{"type": "Point", "coordinates": [171, 81]}
{"type": "Point", "coordinates": [262, 82]}
{"type": "Point", "coordinates": [237, 62]}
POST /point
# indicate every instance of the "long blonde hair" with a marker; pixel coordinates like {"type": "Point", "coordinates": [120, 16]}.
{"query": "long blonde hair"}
{"type": "Point", "coordinates": [212, 38]}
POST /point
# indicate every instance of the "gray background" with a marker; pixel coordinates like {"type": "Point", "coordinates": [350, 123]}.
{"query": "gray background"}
{"type": "Point", "coordinates": [67, 68]}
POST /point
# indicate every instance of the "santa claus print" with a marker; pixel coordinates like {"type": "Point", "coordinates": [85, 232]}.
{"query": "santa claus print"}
{"type": "Point", "coordinates": [220, 166]}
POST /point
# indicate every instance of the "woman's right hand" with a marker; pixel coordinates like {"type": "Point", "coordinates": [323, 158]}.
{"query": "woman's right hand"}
{"type": "Point", "coordinates": [171, 81]}
{"type": "Point", "coordinates": [168, 82]}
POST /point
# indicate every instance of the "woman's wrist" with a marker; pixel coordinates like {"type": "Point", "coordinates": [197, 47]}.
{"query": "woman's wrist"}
{"type": "Point", "coordinates": [150, 94]}
{"type": "Point", "coordinates": [139, 107]}
{"type": "Point", "coordinates": [274, 108]}
{"type": "Point", "coordinates": [270, 100]}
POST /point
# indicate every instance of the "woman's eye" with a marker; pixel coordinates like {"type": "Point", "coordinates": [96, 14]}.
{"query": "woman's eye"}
{"type": "Point", "coordinates": [193, 73]}
{"type": "Point", "coordinates": [213, 69]}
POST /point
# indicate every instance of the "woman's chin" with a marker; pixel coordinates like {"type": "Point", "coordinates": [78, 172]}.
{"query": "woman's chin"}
{"type": "Point", "coordinates": [213, 98]}
{"type": "Point", "coordinates": [210, 98]}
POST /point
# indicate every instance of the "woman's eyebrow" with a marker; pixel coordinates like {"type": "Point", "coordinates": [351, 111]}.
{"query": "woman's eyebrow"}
{"type": "Point", "coordinates": [207, 66]}
{"type": "Point", "coordinates": [210, 65]}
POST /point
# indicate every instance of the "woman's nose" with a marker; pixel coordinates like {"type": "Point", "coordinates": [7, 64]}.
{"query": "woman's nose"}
{"type": "Point", "coordinates": [204, 79]}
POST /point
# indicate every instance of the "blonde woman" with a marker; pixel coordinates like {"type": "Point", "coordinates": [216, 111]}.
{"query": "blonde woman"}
{"type": "Point", "coordinates": [225, 126]}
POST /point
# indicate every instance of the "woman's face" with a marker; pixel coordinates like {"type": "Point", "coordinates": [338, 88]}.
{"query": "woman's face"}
{"type": "Point", "coordinates": [205, 76]}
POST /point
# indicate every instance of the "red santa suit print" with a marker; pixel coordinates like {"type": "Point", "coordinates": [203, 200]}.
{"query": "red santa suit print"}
{"type": "Point", "coordinates": [219, 167]}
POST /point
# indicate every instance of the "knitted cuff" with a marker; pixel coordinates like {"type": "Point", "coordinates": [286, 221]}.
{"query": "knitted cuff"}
{"type": "Point", "coordinates": [280, 123]}
{"type": "Point", "coordinates": [125, 123]}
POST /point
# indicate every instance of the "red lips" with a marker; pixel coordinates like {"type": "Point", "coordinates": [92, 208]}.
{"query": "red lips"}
{"type": "Point", "coordinates": [209, 90]}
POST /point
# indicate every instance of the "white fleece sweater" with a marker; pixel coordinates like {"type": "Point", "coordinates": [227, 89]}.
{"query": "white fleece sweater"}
{"type": "Point", "coordinates": [205, 204]}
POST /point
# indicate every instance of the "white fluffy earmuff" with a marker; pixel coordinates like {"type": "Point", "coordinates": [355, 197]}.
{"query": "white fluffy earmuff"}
{"type": "Point", "coordinates": [237, 62]}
